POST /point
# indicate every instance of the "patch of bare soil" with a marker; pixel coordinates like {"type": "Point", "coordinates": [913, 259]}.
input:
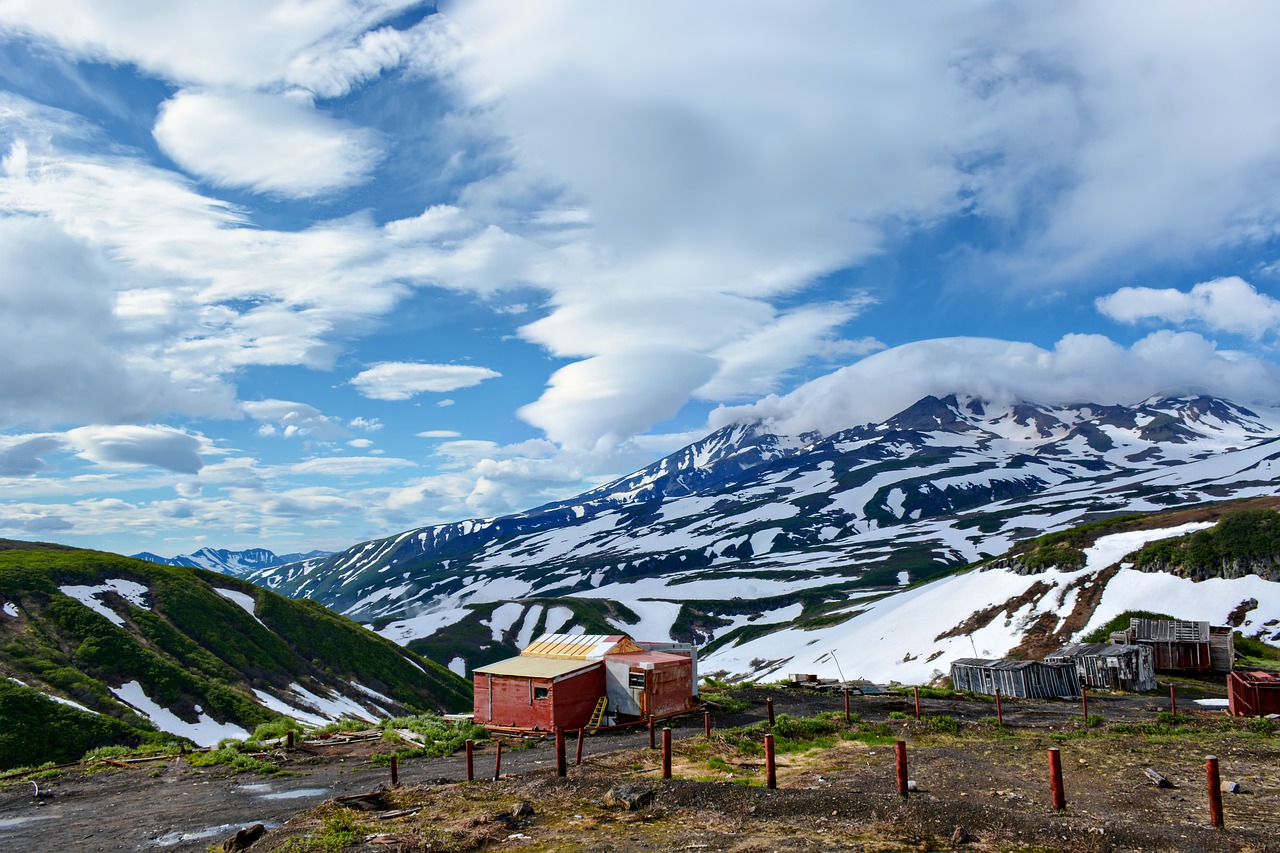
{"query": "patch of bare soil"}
{"type": "Point", "coordinates": [984, 790]}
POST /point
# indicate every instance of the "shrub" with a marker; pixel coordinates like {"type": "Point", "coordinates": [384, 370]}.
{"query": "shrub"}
{"type": "Point", "coordinates": [943, 725]}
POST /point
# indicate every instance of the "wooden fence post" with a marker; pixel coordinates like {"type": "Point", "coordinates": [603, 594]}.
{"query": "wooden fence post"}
{"type": "Point", "coordinates": [917, 703]}
{"type": "Point", "coordinates": [769, 705]}
{"type": "Point", "coordinates": [561, 770]}
{"type": "Point", "coordinates": [471, 767]}
{"type": "Point", "coordinates": [900, 764]}
{"type": "Point", "coordinates": [666, 752]}
{"type": "Point", "coordinates": [577, 759]}
{"type": "Point", "coordinates": [771, 771]}
{"type": "Point", "coordinates": [1215, 791]}
{"type": "Point", "coordinates": [395, 772]}
{"type": "Point", "coordinates": [1057, 797]}
{"type": "Point", "coordinates": [999, 710]}
{"type": "Point", "coordinates": [497, 763]}
{"type": "Point", "coordinates": [706, 723]}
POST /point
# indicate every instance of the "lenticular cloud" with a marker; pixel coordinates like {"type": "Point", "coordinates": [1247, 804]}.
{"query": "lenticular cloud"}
{"type": "Point", "coordinates": [1079, 369]}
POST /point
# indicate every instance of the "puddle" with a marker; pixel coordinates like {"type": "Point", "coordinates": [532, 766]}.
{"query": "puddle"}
{"type": "Point", "coordinates": [1213, 703]}
{"type": "Point", "coordinates": [208, 832]}
{"type": "Point", "coordinates": [255, 788]}
{"type": "Point", "coordinates": [295, 794]}
{"type": "Point", "coordinates": [18, 821]}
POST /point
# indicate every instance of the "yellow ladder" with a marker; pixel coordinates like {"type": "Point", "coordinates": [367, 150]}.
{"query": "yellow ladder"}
{"type": "Point", "coordinates": [597, 716]}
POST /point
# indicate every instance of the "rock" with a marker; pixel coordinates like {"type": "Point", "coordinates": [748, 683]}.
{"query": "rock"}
{"type": "Point", "coordinates": [960, 835]}
{"type": "Point", "coordinates": [244, 839]}
{"type": "Point", "coordinates": [1230, 787]}
{"type": "Point", "coordinates": [630, 797]}
{"type": "Point", "coordinates": [522, 809]}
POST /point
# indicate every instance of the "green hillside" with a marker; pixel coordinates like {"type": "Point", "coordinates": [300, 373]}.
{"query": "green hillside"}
{"type": "Point", "coordinates": [186, 640]}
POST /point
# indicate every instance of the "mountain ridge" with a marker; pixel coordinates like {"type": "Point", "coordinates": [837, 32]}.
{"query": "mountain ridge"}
{"type": "Point", "coordinates": [785, 528]}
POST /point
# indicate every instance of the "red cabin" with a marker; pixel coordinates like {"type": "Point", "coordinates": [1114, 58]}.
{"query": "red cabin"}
{"type": "Point", "coordinates": [578, 681]}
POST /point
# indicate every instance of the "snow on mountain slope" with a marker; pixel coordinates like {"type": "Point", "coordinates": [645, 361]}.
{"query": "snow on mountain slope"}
{"type": "Point", "coordinates": [911, 637]}
{"type": "Point", "coordinates": [743, 524]}
{"type": "Point", "coordinates": [237, 563]}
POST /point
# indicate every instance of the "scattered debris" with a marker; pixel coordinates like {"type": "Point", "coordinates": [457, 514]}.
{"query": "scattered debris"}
{"type": "Point", "coordinates": [631, 797]}
{"type": "Point", "coordinates": [243, 839]}
{"type": "Point", "coordinates": [1157, 779]}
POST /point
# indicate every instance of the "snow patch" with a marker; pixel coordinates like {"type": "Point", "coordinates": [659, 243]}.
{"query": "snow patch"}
{"type": "Point", "coordinates": [132, 592]}
{"type": "Point", "coordinates": [246, 602]}
{"type": "Point", "coordinates": [10, 609]}
{"type": "Point", "coordinates": [458, 667]}
{"type": "Point", "coordinates": [206, 731]}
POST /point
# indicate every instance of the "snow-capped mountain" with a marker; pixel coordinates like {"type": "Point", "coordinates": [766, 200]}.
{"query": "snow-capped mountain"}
{"type": "Point", "coordinates": [238, 563]}
{"type": "Point", "coordinates": [746, 529]}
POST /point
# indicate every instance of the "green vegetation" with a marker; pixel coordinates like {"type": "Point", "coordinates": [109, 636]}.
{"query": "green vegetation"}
{"type": "Point", "coordinates": [1065, 549]}
{"type": "Point", "coordinates": [1103, 633]}
{"type": "Point", "coordinates": [232, 757]}
{"type": "Point", "coordinates": [440, 737]}
{"type": "Point", "coordinates": [189, 646]}
{"type": "Point", "coordinates": [1245, 535]}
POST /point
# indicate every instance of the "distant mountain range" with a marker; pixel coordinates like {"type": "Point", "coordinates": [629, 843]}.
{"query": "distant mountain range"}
{"type": "Point", "coordinates": [746, 532]}
{"type": "Point", "coordinates": [238, 563]}
{"type": "Point", "coordinates": [100, 649]}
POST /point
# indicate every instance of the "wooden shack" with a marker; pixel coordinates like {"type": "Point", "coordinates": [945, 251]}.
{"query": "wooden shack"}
{"type": "Point", "coordinates": [1110, 667]}
{"type": "Point", "coordinates": [577, 680]}
{"type": "Point", "coordinates": [1028, 679]}
{"type": "Point", "coordinates": [1253, 694]}
{"type": "Point", "coordinates": [1181, 645]}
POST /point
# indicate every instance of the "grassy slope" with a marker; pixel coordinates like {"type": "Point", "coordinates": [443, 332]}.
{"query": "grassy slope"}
{"type": "Point", "coordinates": [192, 647]}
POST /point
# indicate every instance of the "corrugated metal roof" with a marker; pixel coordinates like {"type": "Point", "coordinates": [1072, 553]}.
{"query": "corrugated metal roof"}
{"type": "Point", "coordinates": [579, 646]}
{"type": "Point", "coordinates": [1093, 650]}
{"type": "Point", "coordinates": [530, 666]}
{"type": "Point", "coordinates": [637, 658]}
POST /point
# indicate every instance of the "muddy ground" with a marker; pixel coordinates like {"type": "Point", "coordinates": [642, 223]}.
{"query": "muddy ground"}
{"type": "Point", "coordinates": [993, 787]}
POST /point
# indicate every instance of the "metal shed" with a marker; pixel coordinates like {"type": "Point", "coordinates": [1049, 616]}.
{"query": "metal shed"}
{"type": "Point", "coordinates": [1028, 679]}
{"type": "Point", "coordinates": [1110, 667]}
{"type": "Point", "coordinates": [1253, 694]}
{"type": "Point", "coordinates": [537, 693]}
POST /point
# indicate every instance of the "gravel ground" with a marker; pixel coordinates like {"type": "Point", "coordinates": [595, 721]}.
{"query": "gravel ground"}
{"type": "Point", "coordinates": [842, 798]}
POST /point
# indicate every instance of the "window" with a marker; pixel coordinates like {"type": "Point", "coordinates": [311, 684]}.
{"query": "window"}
{"type": "Point", "coordinates": [541, 692]}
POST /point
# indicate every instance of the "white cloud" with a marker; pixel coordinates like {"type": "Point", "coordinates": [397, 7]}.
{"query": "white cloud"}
{"type": "Point", "coordinates": [438, 433]}
{"type": "Point", "coordinates": [1079, 369]}
{"type": "Point", "coordinates": [63, 357]}
{"type": "Point", "coordinates": [271, 144]}
{"type": "Point", "coordinates": [360, 443]}
{"type": "Point", "coordinates": [24, 455]}
{"type": "Point", "coordinates": [600, 401]}
{"type": "Point", "coordinates": [293, 419]}
{"type": "Point", "coordinates": [1224, 304]}
{"type": "Point", "coordinates": [365, 424]}
{"type": "Point", "coordinates": [444, 404]}
{"type": "Point", "coordinates": [350, 466]}
{"type": "Point", "coordinates": [235, 42]}
{"type": "Point", "coordinates": [400, 380]}
{"type": "Point", "coordinates": [158, 446]}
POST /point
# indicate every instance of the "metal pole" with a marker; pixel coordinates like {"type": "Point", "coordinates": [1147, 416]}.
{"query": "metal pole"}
{"type": "Point", "coordinates": [1173, 702]}
{"type": "Point", "coordinates": [706, 723]}
{"type": "Point", "coordinates": [561, 770]}
{"type": "Point", "coordinates": [652, 745]}
{"type": "Point", "coordinates": [1215, 791]}
{"type": "Point", "coordinates": [769, 704]}
{"type": "Point", "coordinates": [771, 772]}
{"type": "Point", "coordinates": [395, 772]}
{"type": "Point", "coordinates": [666, 752]}
{"type": "Point", "coordinates": [900, 760]}
{"type": "Point", "coordinates": [847, 718]}
{"type": "Point", "coordinates": [289, 739]}
{"type": "Point", "coordinates": [999, 710]}
{"type": "Point", "coordinates": [917, 703]}
{"type": "Point", "coordinates": [577, 760]}
{"type": "Point", "coordinates": [1057, 798]}
{"type": "Point", "coordinates": [471, 767]}
{"type": "Point", "coordinates": [497, 763]}
{"type": "Point", "coordinates": [1084, 702]}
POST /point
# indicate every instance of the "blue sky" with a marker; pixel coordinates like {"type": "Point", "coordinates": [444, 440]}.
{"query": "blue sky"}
{"type": "Point", "coordinates": [298, 274]}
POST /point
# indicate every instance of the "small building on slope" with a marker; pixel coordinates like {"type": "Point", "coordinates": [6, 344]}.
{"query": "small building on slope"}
{"type": "Point", "coordinates": [1027, 679]}
{"type": "Point", "coordinates": [581, 680]}
{"type": "Point", "coordinates": [1110, 667]}
{"type": "Point", "coordinates": [1182, 646]}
